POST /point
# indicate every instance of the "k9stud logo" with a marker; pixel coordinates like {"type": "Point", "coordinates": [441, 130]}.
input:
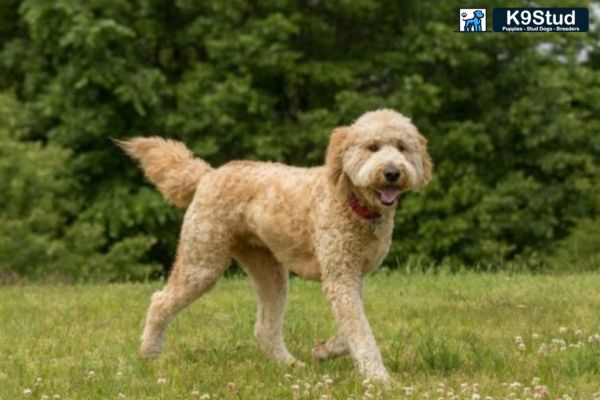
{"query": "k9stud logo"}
{"type": "Point", "coordinates": [472, 20]}
{"type": "Point", "coordinates": [541, 20]}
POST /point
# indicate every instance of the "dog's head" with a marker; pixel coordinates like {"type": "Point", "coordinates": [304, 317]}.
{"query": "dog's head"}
{"type": "Point", "coordinates": [382, 154]}
{"type": "Point", "coordinates": [478, 14]}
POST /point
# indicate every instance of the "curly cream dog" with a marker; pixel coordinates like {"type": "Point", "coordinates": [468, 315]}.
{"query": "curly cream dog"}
{"type": "Point", "coordinates": [331, 223]}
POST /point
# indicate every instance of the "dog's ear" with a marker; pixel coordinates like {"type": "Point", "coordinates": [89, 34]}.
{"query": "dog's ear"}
{"type": "Point", "coordinates": [335, 153]}
{"type": "Point", "coordinates": [427, 164]}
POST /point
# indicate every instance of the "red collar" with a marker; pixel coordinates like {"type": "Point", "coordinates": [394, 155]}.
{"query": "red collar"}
{"type": "Point", "coordinates": [362, 210]}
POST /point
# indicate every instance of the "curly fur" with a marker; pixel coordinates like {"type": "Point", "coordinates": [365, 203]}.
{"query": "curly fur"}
{"type": "Point", "coordinates": [169, 165]}
{"type": "Point", "coordinates": [273, 218]}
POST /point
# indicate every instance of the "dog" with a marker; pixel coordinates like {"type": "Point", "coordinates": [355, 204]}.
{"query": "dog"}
{"type": "Point", "coordinates": [474, 24]}
{"type": "Point", "coordinates": [331, 223]}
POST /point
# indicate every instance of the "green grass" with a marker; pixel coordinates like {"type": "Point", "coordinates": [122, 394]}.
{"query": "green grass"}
{"type": "Point", "coordinates": [442, 336]}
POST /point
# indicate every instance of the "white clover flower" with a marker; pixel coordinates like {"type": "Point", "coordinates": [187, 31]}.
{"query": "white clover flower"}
{"type": "Point", "coordinates": [542, 390]}
{"type": "Point", "coordinates": [232, 387]}
{"type": "Point", "coordinates": [518, 339]}
{"type": "Point", "coordinates": [535, 381]}
{"type": "Point", "coordinates": [287, 377]}
{"type": "Point", "coordinates": [578, 332]}
{"type": "Point", "coordinates": [408, 390]}
{"type": "Point", "coordinates": [514, 385]}
{"type": "Point", "coordinates": [562, 329]}
{"type": "Point", "coordinates": [535, 336]}
{"type": "Point", "coordinates": [120, 396]}
{"type": "Point", "coordinates": [295, 387]}
{"type": "Point", "coordinates": [205, 396]}
{"type": "Point", "coordinates": [56, 396]}
{"type": "Point", "coordinates": [475, 396]}
{"type": "Point", "coordinates": [522, 347]}
{"type": "Point", "coordinates": [161, 381]}
{"type": "Point", "coordinates": [195, 393]}
{"type": "Point", "coordinates": [27, 392]}
{"type": "Point", "coordinates": [38, 381]}
{"type": "Point", "coordinates": [45, 397]}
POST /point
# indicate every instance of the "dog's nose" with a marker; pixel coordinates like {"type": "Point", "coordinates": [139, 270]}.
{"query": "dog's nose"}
{"type": "Point", "coordinates": [391, 174]}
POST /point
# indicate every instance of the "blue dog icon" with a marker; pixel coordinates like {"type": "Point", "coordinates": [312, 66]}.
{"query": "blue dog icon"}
{"type": "Point", "coordinates": [474, 24]}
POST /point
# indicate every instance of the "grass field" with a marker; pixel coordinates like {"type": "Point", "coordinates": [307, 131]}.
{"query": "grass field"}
{"type": "Point", "coordinates": [463, 336]}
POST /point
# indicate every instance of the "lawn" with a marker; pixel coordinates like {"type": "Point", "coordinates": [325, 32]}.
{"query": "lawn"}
{"type": "Point", "coordinates": [465, 336]}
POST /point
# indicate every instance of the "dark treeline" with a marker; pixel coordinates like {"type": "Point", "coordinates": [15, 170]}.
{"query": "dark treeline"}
{"type": "Point", "coordinates": [512, 120]}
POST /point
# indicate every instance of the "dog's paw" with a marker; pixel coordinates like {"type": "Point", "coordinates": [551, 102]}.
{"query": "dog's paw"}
{"type": "Point", "coordinates": [320, 351]}
{"type": "Point", "coordinates": [293, 362]}
{"type": "Point", "coordinates": [379, 377]}
{"type": "Point", "coordinates": [150, 352]}
{"type": "Point", "coordinates": [329, 349]}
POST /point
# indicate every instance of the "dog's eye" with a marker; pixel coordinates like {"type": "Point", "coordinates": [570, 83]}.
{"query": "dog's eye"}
{"type": "Point", "coordinates": [400, 147]}
{"type": "Point", "coordinates": [373, 147]}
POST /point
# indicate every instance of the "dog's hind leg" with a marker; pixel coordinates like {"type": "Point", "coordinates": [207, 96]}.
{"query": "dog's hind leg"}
{"type": "Point", "coordinates": [270, 281]}
{"type": "Point", "coordinates": [203, 255]}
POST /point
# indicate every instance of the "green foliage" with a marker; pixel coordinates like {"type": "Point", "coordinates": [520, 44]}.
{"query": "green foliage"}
{"type": "Point", "coordinates": [511, 120]}
{"type": "Point", "coordinates": [580, 251]}
{"type": "Point", "coordinates": [40, 234]}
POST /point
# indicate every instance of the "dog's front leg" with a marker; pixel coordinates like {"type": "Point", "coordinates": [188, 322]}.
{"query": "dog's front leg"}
{"type": "Point", "coordinates": [335, 346]}
{"type": "Point", "coordinates": [343, 291]}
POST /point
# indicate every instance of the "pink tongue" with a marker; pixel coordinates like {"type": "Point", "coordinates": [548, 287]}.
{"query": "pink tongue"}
{"type": "Point", "coordinates": [388, 195]}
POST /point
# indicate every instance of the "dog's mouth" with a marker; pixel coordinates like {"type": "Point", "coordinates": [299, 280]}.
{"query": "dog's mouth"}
{"type": "Point", "coordinates": [388, 195]}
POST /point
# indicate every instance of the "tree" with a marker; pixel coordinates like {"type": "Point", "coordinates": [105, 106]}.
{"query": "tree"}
{"type": "Point", "coordinates": [511, 118]}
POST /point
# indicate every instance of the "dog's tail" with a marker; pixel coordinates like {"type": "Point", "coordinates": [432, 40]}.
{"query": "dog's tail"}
{"type": "Point", "coordinates": [169, 165]}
